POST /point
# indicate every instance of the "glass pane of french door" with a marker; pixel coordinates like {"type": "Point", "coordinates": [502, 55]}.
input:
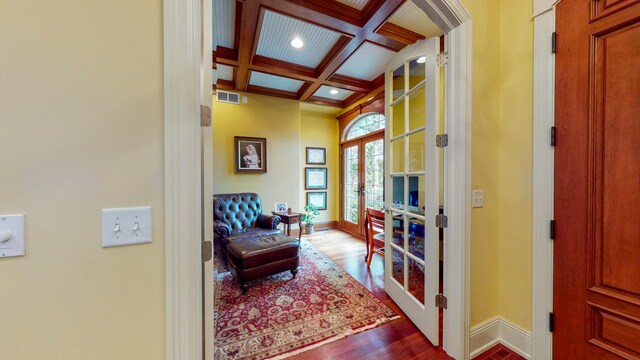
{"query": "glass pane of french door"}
{"type": "Point", "coordinates": [411, 238]}
{"type": "Point", "coordinates": [374, 174]}
{"type": "Point", "coordinates": [351, 188]}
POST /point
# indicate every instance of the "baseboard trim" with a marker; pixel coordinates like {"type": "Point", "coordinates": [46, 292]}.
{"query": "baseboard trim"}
{"type": "Point", "coordinates": [326, 225]}
{"type": "Point", "coordinates": [499, 331]}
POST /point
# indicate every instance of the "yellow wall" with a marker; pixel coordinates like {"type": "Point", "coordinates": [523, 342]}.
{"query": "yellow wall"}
{"type": "Point", "coordinates": [516, 152]}
{"type": "Point", "coordinates": [319, 128]}
{"type": "Point", "coordinates": [502, 150]}
{"type": "Point", "coordinates": [81, 116]}
{"type": "Point", "coordinates": [277, 120]}
{"type": "Point", "coordinates": [485, 15]}
{"type": "Point", "coordinates": [288, 127]}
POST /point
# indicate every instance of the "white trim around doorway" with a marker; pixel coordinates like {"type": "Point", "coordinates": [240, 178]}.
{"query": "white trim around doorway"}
{"type": "Point", "coordinates": [182, 141]}
{"type": "Point", "coordinates": [543, 162]}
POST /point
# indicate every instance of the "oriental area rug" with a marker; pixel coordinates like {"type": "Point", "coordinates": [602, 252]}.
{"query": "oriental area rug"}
{"type": "Point", "coordinates": [280, 316]}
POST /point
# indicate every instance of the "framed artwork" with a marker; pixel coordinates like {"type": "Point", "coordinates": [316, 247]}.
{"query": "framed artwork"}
{"type": "Point", "coordinates": [315, 178]}
{"type": "Point", "coordinates": [316, 156]}
{"type": "Point", "coordinates": [317, 198]}
{"type": "Point", "coordinates": [281, 207]}
{"type": "Point", "coordinates": [250, 155]}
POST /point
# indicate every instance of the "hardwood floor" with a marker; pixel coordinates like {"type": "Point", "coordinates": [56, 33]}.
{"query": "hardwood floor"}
{"type": "Point", "coordinates": [399, 339]}
{"type": "Point", "coordinates": [499, 352]}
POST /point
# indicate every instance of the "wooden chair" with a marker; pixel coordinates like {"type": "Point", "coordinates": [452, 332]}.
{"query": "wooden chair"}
{"type": "Point", "coordinates": [374, 224]}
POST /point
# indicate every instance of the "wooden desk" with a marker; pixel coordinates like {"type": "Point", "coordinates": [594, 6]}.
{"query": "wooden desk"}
{"type": "Point", "coordinates": [289, 219]}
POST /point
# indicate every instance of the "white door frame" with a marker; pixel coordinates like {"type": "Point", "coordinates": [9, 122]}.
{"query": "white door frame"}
{"type": "Point", "coordinates": [182, 92]}
{"type": "Point", "coordinates": [455, 22]}
{"type": "Point", "coordinates": [543, 173]}
{"type": "Point", "coordinates": [182, 86]}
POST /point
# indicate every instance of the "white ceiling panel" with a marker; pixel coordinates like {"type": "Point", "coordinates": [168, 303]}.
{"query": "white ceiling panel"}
{"type": "Point", "coordinates": [274, 82]}
{"type": "Point", "coordinates": [411, 17]}
{"type": "Point", "coordinates": [358, 4]}
{"type": "Point", "coordinates": [224, 28]}
{"type": "Point", "coordinates": [324, 91]}
{"type": "Point", "coordinates": [224, 72]}
{"type": "Point", "coordinates": [367, 62]}
{"type": "Point", "coordinates": [277, 32]}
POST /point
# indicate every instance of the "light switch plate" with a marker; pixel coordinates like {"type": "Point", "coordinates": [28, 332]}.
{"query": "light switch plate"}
{"type": "Point", "coordinates": [478, 198]}
{"type": "Point", "coordinates": [12, 235]}
{"type": "Point", "coordinates": [119, 226]}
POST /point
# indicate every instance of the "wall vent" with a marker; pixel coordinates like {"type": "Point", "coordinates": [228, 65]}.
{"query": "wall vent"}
{"type": "Point", "coordinates": [227, 97]}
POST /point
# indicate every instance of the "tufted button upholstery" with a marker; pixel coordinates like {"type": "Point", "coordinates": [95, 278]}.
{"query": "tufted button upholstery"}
{"type": "Point", "coordinates": [238, 215]}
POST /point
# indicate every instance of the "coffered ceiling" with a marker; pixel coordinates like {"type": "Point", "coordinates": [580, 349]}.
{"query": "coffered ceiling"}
{"type": "Point", "coordinates": [346, 44]}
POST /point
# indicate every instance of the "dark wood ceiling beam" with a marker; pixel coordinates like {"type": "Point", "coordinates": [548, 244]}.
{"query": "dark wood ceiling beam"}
{"type": "Point", "coordinates": [225, 56]}
{"type": "Point", "coordinates": [398, 33]}
{"type": "Point", "coordinates": [326, 102]}
{"type": "Point", "coordinates": [302, 89]}
{"type": "Point", "coordinates": [349, 83]}
{"type": "Point", "coordinates": [373, 24]}
{"type": "Point", "coordinates": [353, 99]}
{"type": "Point", "coordinates": [387, 43]}
{"type": "Point", "coordinates": [321, 17]}
{"type": "Point", "coordinates": [246, 45]}
{"type": "Point", "coordinates": [334, 9]}
{"type": "Point", "coordinates": [225, 85]}
{"type": "Point", "coordinates": [377, 82]}
{"type": "Point", "coordinates": [272, 92]}
{"type": "Point", "coordinates": [282, 68]}
{"type": "Point", "coordinates": [337, 48]}
{"type": "Point", "coordinates": [370, 9]}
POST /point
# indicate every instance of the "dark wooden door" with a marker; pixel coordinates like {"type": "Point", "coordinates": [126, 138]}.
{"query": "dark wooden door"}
{"type": "Point", "coordinates": [597, 180]}
{"type": "Point", "coordinates": [358, 190]}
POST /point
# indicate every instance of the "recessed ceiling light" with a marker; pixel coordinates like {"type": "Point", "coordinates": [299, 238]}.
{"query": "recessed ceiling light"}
{"type": "Point", "coordinates": [421, 60]}
{"type": "Point", "coordinates": [333, 92]}
{"type": "Point", "coordinates": [297, 43]}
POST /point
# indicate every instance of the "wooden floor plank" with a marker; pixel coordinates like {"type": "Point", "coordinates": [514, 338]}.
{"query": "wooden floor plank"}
{"type": "Point", "coordinates": [399, 339]}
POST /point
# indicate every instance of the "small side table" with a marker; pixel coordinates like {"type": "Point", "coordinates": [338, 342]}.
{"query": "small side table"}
{"type": "Point", "coordinates": [289, 219]}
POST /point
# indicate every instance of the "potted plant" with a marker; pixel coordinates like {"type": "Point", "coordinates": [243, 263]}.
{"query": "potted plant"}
{"type": "Point", "coordinates": [308, 217]}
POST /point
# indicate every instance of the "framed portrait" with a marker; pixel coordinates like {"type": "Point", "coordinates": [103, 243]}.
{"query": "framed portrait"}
{"type": "Point", "coordinates": [315, 178]}
{"type": "Point", "coordinates": [250, 155]}
{"type": "Point", "coordinates": [316, 156]}
{"type": "Point", "coordinates": [317, 198]}
{"type": "Point", "coordinates": [281, 207]}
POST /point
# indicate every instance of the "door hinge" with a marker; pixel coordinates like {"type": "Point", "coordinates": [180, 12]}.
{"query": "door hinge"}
{"type": "Point", "coordinates": [205, 116]}
{"type": "Point", "coordinates": [553, 136]}
{"type": "Point", "coordinates": [441, 221]}
{"type": "Point", "coordinates": [443, 59]}
{"type": "Point", "coordinates": [207, 253]}
{"type": "Point", "coordinates": [554, 41]}
{"type": "Point", "coordinates": [552, 322]}
{"type": "Point", "coordinates": [442, 140]}
{"type": "Point", "coordinates": [441, 301]}
{"type": "Point", "coordinates": [552, 229]}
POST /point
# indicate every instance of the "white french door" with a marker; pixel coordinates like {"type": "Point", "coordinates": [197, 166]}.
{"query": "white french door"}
{"type": "Point", "coordinates": [412, 200]}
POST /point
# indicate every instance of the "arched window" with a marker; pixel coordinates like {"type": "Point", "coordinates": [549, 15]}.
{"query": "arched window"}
{"type": "Point", "coordinates": [367, 123]}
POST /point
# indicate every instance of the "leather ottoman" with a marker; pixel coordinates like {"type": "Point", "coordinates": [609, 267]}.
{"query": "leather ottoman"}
{"type": "Point", "coordinates": [256, 257]}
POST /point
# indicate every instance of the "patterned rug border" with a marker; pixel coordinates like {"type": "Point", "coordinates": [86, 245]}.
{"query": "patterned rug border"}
{"type": "Point", "coordinates": [332, 338]}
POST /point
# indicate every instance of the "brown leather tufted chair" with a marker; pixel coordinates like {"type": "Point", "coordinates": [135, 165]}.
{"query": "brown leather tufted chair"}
{"type": "Point", "coordinates": [239, 216]}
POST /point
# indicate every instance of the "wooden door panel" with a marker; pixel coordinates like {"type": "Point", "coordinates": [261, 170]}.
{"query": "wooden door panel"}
{"type": "Point", "coordinates": [603, 8]}
{"type": "Point", "coordinates": [597, 183]}
{"type": "Point", "coordinates": [618, 166]}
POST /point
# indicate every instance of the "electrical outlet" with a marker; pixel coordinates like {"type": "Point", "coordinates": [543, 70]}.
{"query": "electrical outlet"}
{"type": "Point", "coordinates": [478, 198]}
